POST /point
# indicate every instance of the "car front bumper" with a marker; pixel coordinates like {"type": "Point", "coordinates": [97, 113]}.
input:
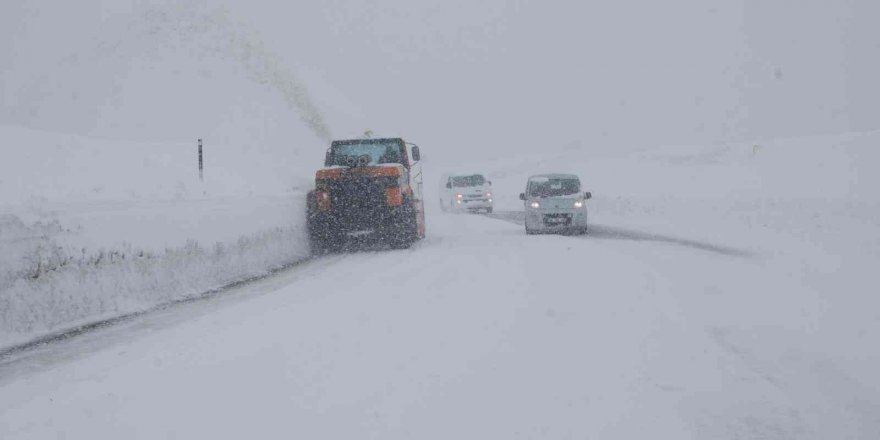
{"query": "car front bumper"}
{"type": "Point", "coordinates": [556, 220]}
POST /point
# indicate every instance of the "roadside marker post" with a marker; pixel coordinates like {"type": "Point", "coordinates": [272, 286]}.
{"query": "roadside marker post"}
{"type": "Point", "coordinates": [201, 163]}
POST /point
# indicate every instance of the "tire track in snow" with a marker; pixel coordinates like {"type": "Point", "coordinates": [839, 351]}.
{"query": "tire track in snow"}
{"type": "Point", "coordinates": [615, 233]}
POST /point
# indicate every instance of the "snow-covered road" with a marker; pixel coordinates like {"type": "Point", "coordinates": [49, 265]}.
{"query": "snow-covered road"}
{"type": "Point", "coordinates": [477, 332]}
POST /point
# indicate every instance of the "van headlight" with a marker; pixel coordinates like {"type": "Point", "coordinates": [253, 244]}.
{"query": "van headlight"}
{"type": "Point", "coordinates": [578, 203]}
{"type": "Point", "coordinates": [535, 205]}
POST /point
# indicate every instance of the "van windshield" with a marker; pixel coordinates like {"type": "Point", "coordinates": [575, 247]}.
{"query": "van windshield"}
{"type": "Point", "coordinates": [548, 187]}
{"type": "Point", "coordinates": [464, 181]}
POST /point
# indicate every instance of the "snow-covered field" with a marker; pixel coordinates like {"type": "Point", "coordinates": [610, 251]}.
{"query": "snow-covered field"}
{"type": "Point", "coordinates": [727, 292]}
{"type": "Point", "coordinates": [94, 228]}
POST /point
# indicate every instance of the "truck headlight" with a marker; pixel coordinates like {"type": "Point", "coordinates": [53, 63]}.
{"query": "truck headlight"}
{"type": "Point", "coordinates": [578, 203]}
{"type": "Point", "coordinates": [535, 205]}
{"type": "Point", "coordinates": [458, 196]}
{"type": "Point", "coordinates": [488, 194]}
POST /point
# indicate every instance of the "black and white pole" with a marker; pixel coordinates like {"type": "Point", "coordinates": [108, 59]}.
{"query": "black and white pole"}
{"type": "Point", "coordinates": [201, 163]}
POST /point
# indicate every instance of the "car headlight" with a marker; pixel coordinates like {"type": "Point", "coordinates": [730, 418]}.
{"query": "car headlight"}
{"type": "Point", "coordinates": [459, 196]}
{"type": "Point", "coordinates": [578, 203]}
{"type": "Point", "coordinates": [535, 205]}
{"type": "Point", "coordinates": [488, 194]}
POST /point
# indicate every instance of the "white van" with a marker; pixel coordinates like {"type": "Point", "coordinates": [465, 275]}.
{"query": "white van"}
{"type": "Point", "coordinates": [555, 203]}
{"type": "Point", "coordinates": [465, 192]}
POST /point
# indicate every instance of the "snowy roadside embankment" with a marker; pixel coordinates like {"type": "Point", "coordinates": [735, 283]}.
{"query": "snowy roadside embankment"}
{"type": "Point", "coordinates": [91, 229]}
{"type": "Point", "coordinates": [54, 289]}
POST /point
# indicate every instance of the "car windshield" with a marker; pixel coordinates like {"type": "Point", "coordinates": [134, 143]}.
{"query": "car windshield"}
{"type": "Point", "coordinates": [464, 181]}
{"type": "Point", "coordinates": [548, 187]}
{"type": "Point", "coordinates": [377, 152]}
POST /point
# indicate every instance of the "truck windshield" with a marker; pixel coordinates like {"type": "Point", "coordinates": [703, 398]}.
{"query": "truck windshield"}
{"type": "Point", "coordinates": [554, 187]}
{"type": "Point", "coordinates": [464, 181]}
{"type": "Point", "coordinates": [378, 153]}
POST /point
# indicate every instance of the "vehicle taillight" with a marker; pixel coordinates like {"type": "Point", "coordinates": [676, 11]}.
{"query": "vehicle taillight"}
{"type": "Point", "coordinates": [393, 196]}
{"type": "Point", "coordinates": [323, 198]}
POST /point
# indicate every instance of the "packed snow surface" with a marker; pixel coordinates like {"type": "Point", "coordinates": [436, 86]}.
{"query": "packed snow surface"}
{"type": "Point", "coordinates": [725, 292]}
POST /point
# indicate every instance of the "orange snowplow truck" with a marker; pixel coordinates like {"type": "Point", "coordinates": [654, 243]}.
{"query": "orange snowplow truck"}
{"type": "Point", "coordinates": [369, 189]}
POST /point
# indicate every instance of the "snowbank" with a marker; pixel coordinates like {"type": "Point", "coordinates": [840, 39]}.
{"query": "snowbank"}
{"type": "Point", "coordinates": [54, 168]}
{"type": "Point", "coordinates": [95, 228]}
{"type": "Point", "coordinates": [52, 289]}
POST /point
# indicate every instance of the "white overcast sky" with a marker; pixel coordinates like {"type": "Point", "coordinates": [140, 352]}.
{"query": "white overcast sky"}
{"type": "Point", "coordinates": [511, 74]}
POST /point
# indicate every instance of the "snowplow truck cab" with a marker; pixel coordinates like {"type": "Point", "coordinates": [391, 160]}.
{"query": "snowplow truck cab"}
{"type": "Point", "coordinates": [368, 190]}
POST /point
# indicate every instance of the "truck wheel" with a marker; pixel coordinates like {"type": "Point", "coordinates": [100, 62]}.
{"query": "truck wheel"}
{"type": "Point", "coordinates": [318, 244]}
{"type": "Point", "coordinates": [488, 210]}
{"type": "Point", "coordinates": [403, 241]}
{"type": "Point", "coordinates": [321, 239]}
{"type": "Point", "coordinates": [407, 234]}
